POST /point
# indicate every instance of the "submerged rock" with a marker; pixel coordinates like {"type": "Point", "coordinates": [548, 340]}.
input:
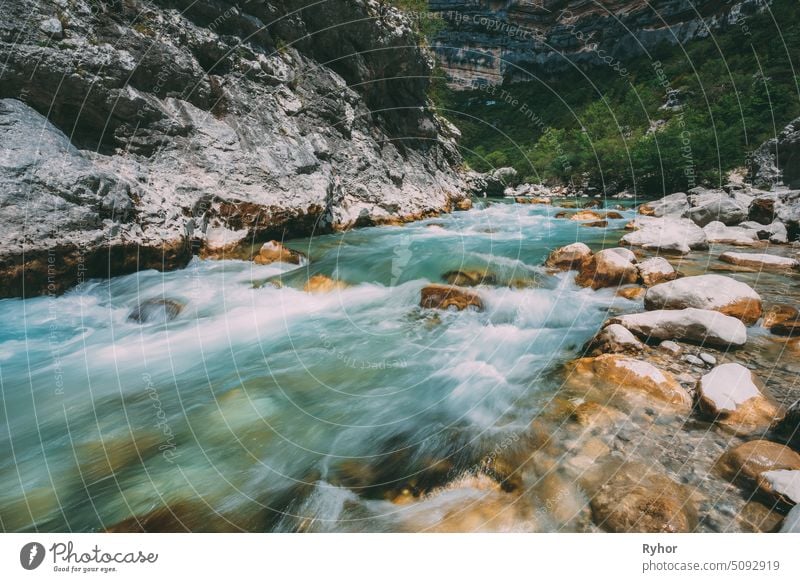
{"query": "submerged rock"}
{"type": "Point", "coordinates": [323, 284]}
{"type": "Point", "coordinates": [715, 292]}
{"type": "Point", "coordinates": [469, 278]}
{"type": "Point", "coordinates": [586, 215]}
{"type": "Point", "coordinates": [780, 314]}
{"type": "Point", "coordinates": [608, 268]}
{"type": "Point", "coordinates": [568, 257]}
{"type": "Point", "coordinates": [629, 379]}
{"type": "Point", "coordinates": [449, 297]}
{"type": "Point", "coordinates": [759, 260]}
{"type": "Point", "coordinates": [275, 252]}
{"type": "Point", "coordinates": [636, 498]}
{"type": "Point", "coordinates": [700, 326]}
{"type": "Point", "coordinates": [735, 397]}
{"type": "Point", "coordinates": [774, 469]}
{"type": "Point", "coordinates": [632, 293]}
{"type": "Point", "coordinates": [156, 309]}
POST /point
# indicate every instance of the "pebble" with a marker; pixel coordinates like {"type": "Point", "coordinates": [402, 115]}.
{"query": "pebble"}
{"type": "Point", "coordinates": [708, 359]}
{"type": "Point", "coordinates": [693, 360]}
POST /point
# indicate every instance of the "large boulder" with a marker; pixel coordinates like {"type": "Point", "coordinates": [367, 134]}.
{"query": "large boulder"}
{"type": "Point", "coordinates": [760, 261]}
{"type": "Point", "coordinates": [762, 209]}
{"type": "Point", "coordinates": [775, 232]}
{"type": "Point", "coordinates": [656, 270]}
{"type": "Point", "coordinates": [717, 232]}
{"type": "Point", "coordinates": [608, 268]}
{"type": "Point", "coordinates": [778, 159]}
{"type": "Point", "coordinates": [666, 235]}
{"type": "Point", "coordinates": [700, 326]}
{"type": "Point", "coordinates": [673, 205]}
{"type": "Point", "coordinates": [630, 381]}
{"type": "Point", "coordinates": [716, 206]}
{"type": "Point", "coordinates": [449, 297]}
{"type": "Point", "coordinates": [736, 398]}
{"type": "Point", "coordinates": [637, 498]}
{"type": "Point", "coordinates": [715, 292]}
{"type": "Point", "coordinates": [568, 257]}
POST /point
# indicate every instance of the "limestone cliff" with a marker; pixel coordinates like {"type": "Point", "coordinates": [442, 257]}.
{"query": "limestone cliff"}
{"type": "Point", "coordinates": [137, 132]}
{"type": "Point", "coordinates": [488, 41]}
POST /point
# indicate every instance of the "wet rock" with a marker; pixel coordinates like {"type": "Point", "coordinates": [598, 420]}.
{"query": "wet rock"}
{"type": "Point", "coordinates": [716, 232]}
{"type": "Point", "coordinates": [788, 428]}
{"type": "Point", "coordinates": [274, 252]}
{"type": "Point", "coordinates": [593, 415]}
{"type": "Point", "coordinates": [449, 297]}
{"type": "Point", "coordinates": [595, 224]}
{"type": "Point", "coordinates": [568, 257]}
{"type": "Point", "coordinates": [782, 484]}
{"type": "Point", "coordinates": [586, 215]}
{"type": "Point", "coordinates": [469, 278]}
{"type": "Point", "coordinates": [666, 235]}
{"type": "Point", "coordinates": [613, 339]}
{"type": "Point", "coordinates": [186, 516]}
{"type": "Point", "coordinates": [156, 310]}
{"type": "Point", "coordinates": [715, 292]}
{"type": "Point", "coordinates": [758, 517]}
{"type": "Point", "coordinates": [656, 270]}
{"type": "Point", "coordinates": [632, 293]}
{"type": "Point", "coordinates": [673, 205]}
{"type": "Point", "coordinates": [779, 314]}
{"type": "Point", "coordinates": [746, 462]}
{"type": "Point", "coordinates": [735, 397]}
{"type": "Point", "coordinates": [608, 268]}
{"type": "Point", "coordinates": [323, 284]}
{"type": "Point", "coordinates": [700, 326]}
{"type": "Point", "coordinates": [791, 524]}
{"type": "Point", "coordinates": [636, 498]}
{"type": "Point", "coordinates": [759, 261]}
{"type": "Point", "coordinates": [633, 381]}
{"type": "Point", "coordinates": [463, 204]}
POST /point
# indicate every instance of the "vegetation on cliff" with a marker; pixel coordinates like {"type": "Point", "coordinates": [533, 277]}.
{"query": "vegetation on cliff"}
{"type": "Point", "coordinates": [683, 116]}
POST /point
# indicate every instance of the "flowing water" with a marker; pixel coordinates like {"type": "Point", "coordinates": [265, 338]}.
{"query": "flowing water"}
{"type": "Point", "coordinates": [263, 407]}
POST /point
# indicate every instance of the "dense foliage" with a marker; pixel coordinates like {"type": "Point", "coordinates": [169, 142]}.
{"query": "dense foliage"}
{"type": "Point", "coordinates": [683, 116]}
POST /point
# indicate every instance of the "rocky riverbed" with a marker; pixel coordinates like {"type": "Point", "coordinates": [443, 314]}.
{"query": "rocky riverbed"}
{"type": "Point", "coordinates": [534, 376]}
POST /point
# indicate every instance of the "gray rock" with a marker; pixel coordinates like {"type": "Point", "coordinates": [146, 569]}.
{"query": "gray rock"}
{"type": "Point", "coordinates": [156, 311]}
{"type": "Point", "coordinates": [671, 347]}
{"type": "Point", "coordinates": [693, 360]}
{"type": "Point", "coordinates": [699, 326]}
{"type": "Point", "coordinates": [666, 234]}
{"type": "Point", "coordinates": [708, 359]}
{"type": "Point", "coordinates": [179, 128]}
{"type": "Point", "coordinates": [52, 27]}
{"type": "Point", "coordinates": [791, 523]}
{"type": "Point", "coordinates": [716, 206]}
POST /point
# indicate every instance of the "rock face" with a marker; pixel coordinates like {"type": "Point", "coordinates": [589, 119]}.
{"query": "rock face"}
{"type": "Point", "coordinates": [608, 268]}
{"type": "Point", "coordinates": [715, 292]}
{"type": "Point", "coordinates": [700, 326]}
{"type": "Point", "coordinates": [490, 42]}
{"type": "Point", "coordinates": [216, 115]}
{"type": "Point", "coordinates": [778, 159]}
{"type": "Point", "coordinates": [735, 397]}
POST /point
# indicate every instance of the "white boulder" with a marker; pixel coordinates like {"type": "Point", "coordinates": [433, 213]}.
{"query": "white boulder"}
{"type": "Point", "coordinates": [700, 326]}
